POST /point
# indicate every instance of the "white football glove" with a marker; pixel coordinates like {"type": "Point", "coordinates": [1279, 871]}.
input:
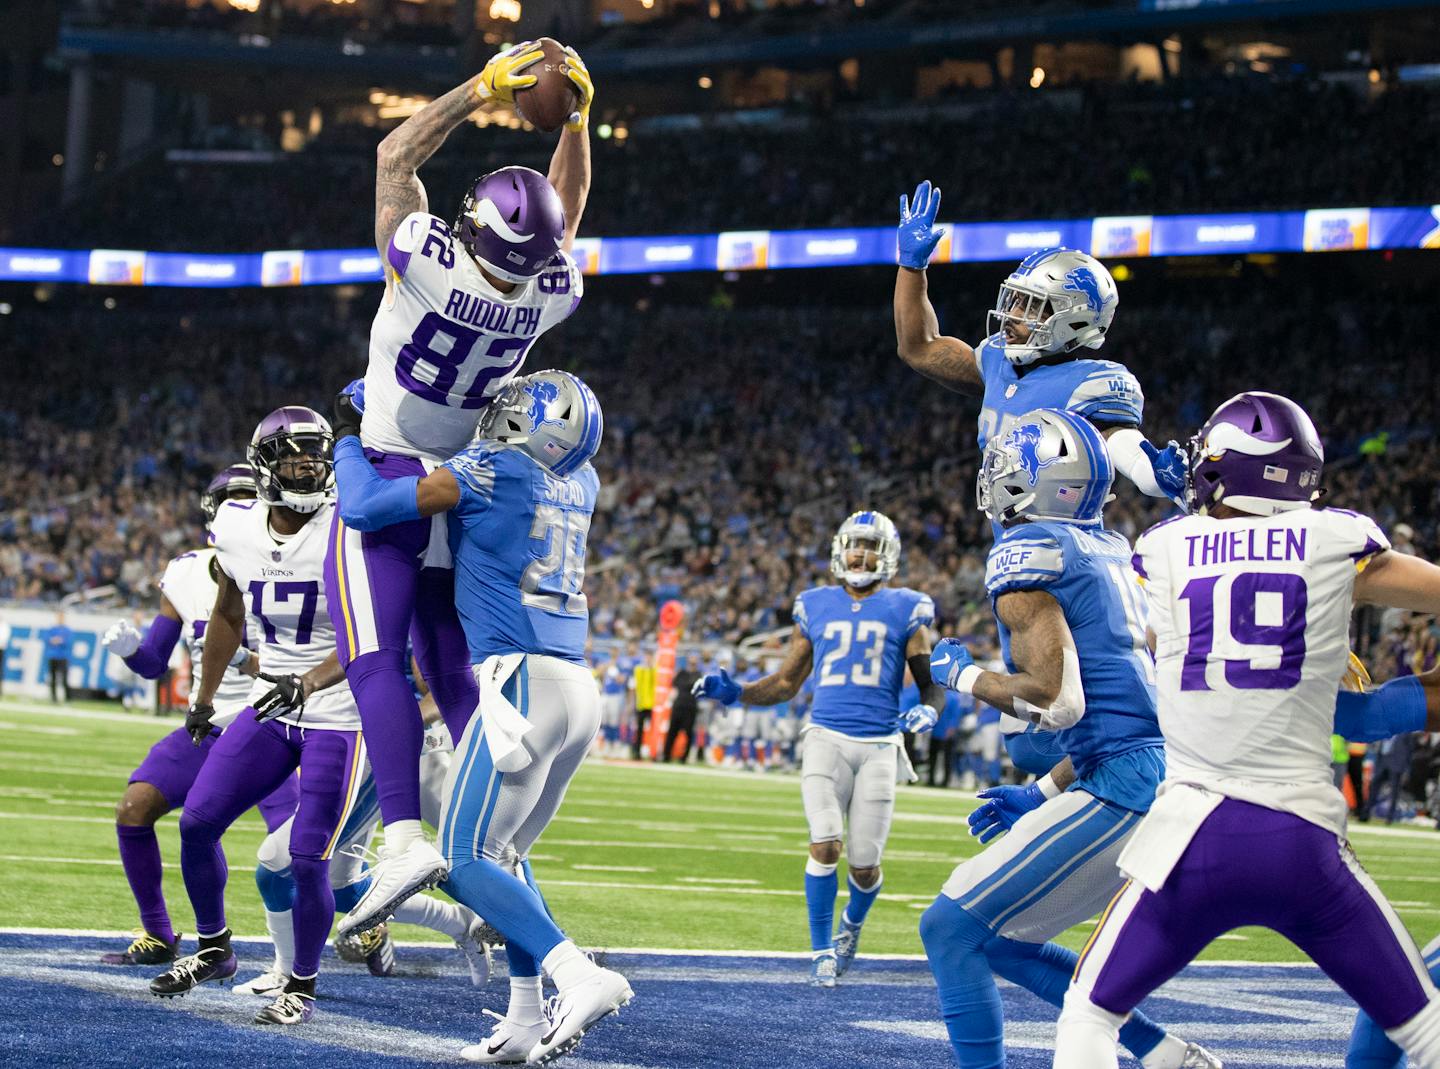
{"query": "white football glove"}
{"type": "Point", "coordinates": [122, 639]}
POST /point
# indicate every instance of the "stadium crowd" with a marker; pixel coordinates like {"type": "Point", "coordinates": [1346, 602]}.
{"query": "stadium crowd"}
{"type": "Point", "coordinates": [1204, 144]}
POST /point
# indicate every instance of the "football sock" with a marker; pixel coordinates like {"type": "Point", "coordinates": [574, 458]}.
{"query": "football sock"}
{"type": "Point", "coordinates": [1086, 1036]}
{"type": "Point", "coordinates": [821, 886]}
{"type": "Point", "coordinates": [348, 897]}
{"type": "Point", "coordinates": [1370, 1047]}
{"type": "Point", "coordinates": [969, 998]}
{"type": "Point", "coordinates": [860, 901]}
{"type": "Point", "coordinates": [394, 736]}
{"type": "Point", "coordinates": [140, 856]}
{"type": "Point", "coordinates": [507, 903]}
{"type": "Point", "coordinates": [402, 833]}
{"type": "Point", "coordinates": [202, 863]}
{"type": "Point", "coordinates": [527, 874]}
{"type": "Point", "coordinates": [438, 916]}
{"type": "Point", "coordinates": [220, 940]}
{"type": "Point", "coordinates": [314, 911]}
{"type": "Point", "coordinates": [568, 966]}
{"type": "Point", "coordinates": [303, 985]}
{"type": "Point", "coordinates": [525, 995]}
{"type": "Point", "coordinates": [1044, 969]}
{"type": "Point", "coordinates": [281, 927]}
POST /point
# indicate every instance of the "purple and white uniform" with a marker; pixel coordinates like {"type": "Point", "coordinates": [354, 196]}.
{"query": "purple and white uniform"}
{"type": "Point", "coordinates": [1251, 618]}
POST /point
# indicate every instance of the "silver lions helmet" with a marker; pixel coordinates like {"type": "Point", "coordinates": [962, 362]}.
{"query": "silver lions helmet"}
{"type": "Point", "coordinates": [1055, 301]}
{"type": "Point", "coordinates": [550, 415]}
{"type": "Point", "coordinates": [873, 533]}
{"type": "Point", "coordinates": [1051, 465]}
{"type": "Point", "coordinates": [291, 454]}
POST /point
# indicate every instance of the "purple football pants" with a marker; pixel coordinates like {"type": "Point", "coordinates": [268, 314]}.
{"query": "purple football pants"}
{"type": "Point", "coordinates": [1249, 865]}
{"type": "Point", "coordinates": [173, 763]}
{"type": "Point", "coordinates": [246, 764]}
{"type": "Point", "coordinates": [383, 595]}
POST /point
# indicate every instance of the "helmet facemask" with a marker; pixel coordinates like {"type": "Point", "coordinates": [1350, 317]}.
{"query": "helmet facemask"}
{"type": "Point", "coordinates": [294, 470]}
{"type": "Point", "coordinates": [877, 540]}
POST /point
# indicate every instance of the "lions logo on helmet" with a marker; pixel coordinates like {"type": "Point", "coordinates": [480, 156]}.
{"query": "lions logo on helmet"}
{"type": "Point", "coordinates": [543, 394]}
{"type": "Point", "coordinates": [1056, 300]}
{"type": "Point", "coordinates": [1053, 465]}
{"type": "Point", "coordinates": [551, 415]}
{"type": "Point", "coordinates": [1025, 441]}
{"type": "Point", "coordinates": [870, 531]}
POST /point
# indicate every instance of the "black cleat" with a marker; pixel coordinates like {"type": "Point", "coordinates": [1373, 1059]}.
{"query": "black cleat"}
{"type": "Point", "coordinates": [147, 949]}
{"type": "Point", "coordinates": [215, 964]}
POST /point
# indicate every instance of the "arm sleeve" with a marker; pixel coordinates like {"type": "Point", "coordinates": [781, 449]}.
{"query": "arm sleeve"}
{"type": "Point", "coordinates": [368, 501]}
{"type": "Point", "coordinates": [802, 617]}
{"type": "Point", "coordinates": [1397, 708]}
{"type": "Point", "coordinates": [153, 656]}
{"type": "Point", "coordinates": [1130, 461]}
{"type": "Point", "coordinates": [1025, 558]}
{"type": "Point", "coordinates": [1108, 395]}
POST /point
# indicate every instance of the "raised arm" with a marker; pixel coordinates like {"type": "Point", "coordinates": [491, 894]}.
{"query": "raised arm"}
{"type": "Point", "coordinates": [948, 361]}
{"type": "Point", "coordinates": [570, 165]}
{"type": "Point", "coordinates": [1399, 581]}
{"type": "Point", "coordinates": [148, 656]}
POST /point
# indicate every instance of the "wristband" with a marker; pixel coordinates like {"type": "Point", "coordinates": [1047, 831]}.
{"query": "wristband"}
{"type": "Point", "coordinates": [968, 677]}
{"type": "Point", "coordinates": [1048, 787]}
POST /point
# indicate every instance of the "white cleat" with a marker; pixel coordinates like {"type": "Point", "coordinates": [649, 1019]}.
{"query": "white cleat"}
{"type": "Point", "coordinates": [823, 970]}
{"type": "Point", "coordinates": [573, 1013]}
{"type": "Point", "coordinates": [509, 1043]}
{"type": "Point", "coordinates": [1197, 1057]}
{"type": "Point", "coordinates": [477, 952]}
{"type": "Point", "coordinates": [397, 876]}
{"type": "Point", "coordinates": [267, 985]}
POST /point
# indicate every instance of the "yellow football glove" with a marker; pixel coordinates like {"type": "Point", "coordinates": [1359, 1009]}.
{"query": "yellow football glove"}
{"type": "Point", "coordinates": [501, 76]}
{"type": "Point", "coordinates": [576, 71]}
{"type": "Point", "coordinates": [1356, 677]}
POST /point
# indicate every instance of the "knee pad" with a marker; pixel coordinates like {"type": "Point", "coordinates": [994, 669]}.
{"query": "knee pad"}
{"type": "Point", "coordinates": [196, 828]}
{"type": "Point", "coordinates": [309, 871]}
{"type": "Point", "coordinates": [945, 924]}
{"type": "Point", "coordinates": [274, 852]}
{"type": "Point", "coordinates": [277, 890]}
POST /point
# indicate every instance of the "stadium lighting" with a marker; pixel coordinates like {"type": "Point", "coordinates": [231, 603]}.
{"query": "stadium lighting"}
{"type": "Point", "coordinates": [1037, 77]}
{"type": "Point", "coordinates": [705, 82]}
{"type": "Point", "coordinates": [508, 10]}
{"type": "Point", "coordinates": [603, 131]}
{"type": "Point", "coordinates": [245, 5]}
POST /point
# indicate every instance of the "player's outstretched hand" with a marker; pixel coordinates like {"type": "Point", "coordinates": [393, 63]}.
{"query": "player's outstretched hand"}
{"type": "Point", "coordinates": [718, 686]}
{"type": "Point", "coordinates": [948, 659]}
{"type": "Point", "coordinates": [1172, 471]}
{"type": "Point", "coordinates": [917, 235]}
{"type": "Point", "coordinates": [197, 722]}
{"type": "Point", "coordinates": [501, 76]}
{"type": "Point", "coordinates": [121, 638]}
{"type": "Point", "coordinates": [1002, 808]}
{"type": "Point", "coordinates": [919, 718]}
{"type": "Point", "coordinates": [286, 696]}
{"type": "Point", "coordinates": [347, 410]}
{"type": "Point", "coordinates": [579, 76]}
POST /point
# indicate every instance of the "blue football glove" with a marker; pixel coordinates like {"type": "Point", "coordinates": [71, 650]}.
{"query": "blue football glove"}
{"type": "Point", "coordinates": [1004, 806]}
{"type": "Point", "coordinates": [947, 660]}
{"type": "Point", "coordinates": [919, 718]}
{"type": "Point", "coordinates": [718, 686]}
{"type": "Point", "coordinates": [917, 234]}
{"type": "Point", "coordinates": [1172, 471]}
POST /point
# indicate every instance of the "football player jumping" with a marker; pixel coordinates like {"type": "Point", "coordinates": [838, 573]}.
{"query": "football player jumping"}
{"type": "Point", "coordinates": [464, 302]}
{"type": "Point", "coordinates": [856, 637]}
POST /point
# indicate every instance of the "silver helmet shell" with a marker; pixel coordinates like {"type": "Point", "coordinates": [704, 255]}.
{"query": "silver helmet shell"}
{"type": "Point", "coordinates": [1051, 465]}
{"type": "Point", "coordinates": [550, 415]}
{"type": "Point", "coordinates": [868, 530]}
{"type": "Point", "coordinates": [1066, 298]}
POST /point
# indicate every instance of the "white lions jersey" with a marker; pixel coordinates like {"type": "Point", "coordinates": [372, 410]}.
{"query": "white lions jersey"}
{"type": "Point", "coordinates": [283, 584]}
{"type": "Point", "coordinates": [445, 341]}
{"type": "Point", "coordinates": [1252, 619]}
{"type": "Point", "coordinates": [190, 587]}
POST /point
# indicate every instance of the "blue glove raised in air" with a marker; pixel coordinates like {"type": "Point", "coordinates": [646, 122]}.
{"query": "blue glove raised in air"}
{"type": "Point", "coordinates": [917, 234]}
{"type": "Point", "coordinates": [948, 659]}
{"type": "Point", "coordinates": [1172, 471]}
{"type": "Point", "coordinates": [919, 718]}
{"type": "Point", "coordinates": [718, 686]}
{"type": "Point", "coordinates": [1003, 807]}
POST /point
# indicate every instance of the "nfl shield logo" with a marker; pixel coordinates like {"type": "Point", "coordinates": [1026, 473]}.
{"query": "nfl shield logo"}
{"type": "Point", "coordinates": [1010, 390]}
{"type": "Point", "coordinates": [275, 555]}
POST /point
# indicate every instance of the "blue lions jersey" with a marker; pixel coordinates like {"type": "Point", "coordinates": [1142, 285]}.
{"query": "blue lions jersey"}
{"type": "Point", "coordinates": [1116, 746]}
{"type": "Point", "coordinates": [518, 537]}
{"type": "Point", "coordinates": [1102, 391]}
{"type": "Point", "coordinates": [859, 654]}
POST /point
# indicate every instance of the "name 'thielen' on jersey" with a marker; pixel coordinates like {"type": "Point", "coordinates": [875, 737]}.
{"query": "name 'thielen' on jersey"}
{"type": "Point", "coordinates": [1252, 624]}
{"type": "Point", "coordinates": [444, 341]}
{"type": "Point", "coordinates": [283, 584]}
{"type": "Point", "coordinates": [518, 536]}
{"type": "Point", "coordinates": [859, 654]}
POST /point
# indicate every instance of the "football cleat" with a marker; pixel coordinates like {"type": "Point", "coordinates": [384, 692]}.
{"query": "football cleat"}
{"type": "Point", "coordinates": [477, 952]}
{"type": "Point", "coordinates": [267, 985]}
{"type": "Point", "coordinates": [573, 1013]}
{"type": "Point", "coordinates": [847, 941]}
{"type": "Point", "coordinates": [212, 963]}
{"type": "Point", "coordinates": [395, 878]}
{"type": "Point", "coordinates": [146, 949]}
{"type": "Point", "coordinates": [823, 970]}
{"type": "Point", "coordinates": [1197, 1057]}
{"type": "Point", "coordinates": [348, 948]}
{"type": "Point", "coordinates": [289, 1007]}
{"type": "Point", "coordinates": [509, 1043]}
{"type": "Point", "coordinates": [373, 947]}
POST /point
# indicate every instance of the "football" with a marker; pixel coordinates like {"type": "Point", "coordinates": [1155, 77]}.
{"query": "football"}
{"type": "Point", "coordinates": [549, 103]}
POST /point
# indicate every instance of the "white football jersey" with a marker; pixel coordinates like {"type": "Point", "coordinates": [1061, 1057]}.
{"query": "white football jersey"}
{"type": "Point", "coordinates": [1252, 623]}
{"type": "Point", "coordinates": [445, 341]}
{"type": "Point", "coordinates": [190, 587]}
{"type": "Point", "coordinates": [283, 583]}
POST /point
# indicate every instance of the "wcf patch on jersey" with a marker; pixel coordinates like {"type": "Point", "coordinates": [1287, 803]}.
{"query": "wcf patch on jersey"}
{"type": "Point", "coordinates": [1038, 560]}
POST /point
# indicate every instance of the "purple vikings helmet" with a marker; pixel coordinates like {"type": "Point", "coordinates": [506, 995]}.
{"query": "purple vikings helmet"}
{"type": "Point", "coordinates": [290, 434]}
{"type": "Point", "coordinates": [511, 222]}
{"type": "Point", "coordinates": [1258, 453]}
{"type": "Point", "coordinates": [238, 480]}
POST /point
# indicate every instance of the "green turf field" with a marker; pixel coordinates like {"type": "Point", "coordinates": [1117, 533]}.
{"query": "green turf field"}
{"type": "Point", "coordinates": [638, 857]}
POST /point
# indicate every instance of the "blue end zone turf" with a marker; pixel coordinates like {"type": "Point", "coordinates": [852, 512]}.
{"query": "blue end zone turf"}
{"type": "Point", "coordinates": [63, 1007]}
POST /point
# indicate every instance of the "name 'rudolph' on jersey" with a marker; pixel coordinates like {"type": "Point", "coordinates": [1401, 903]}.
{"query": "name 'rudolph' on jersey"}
{"type": "Point", "coordinates": [283, 583]}
{"type": "Point", "coordinates": [859, 654]}
{"type": "Point", "coordinates": [1252, 622]}
{"type": "Point", "coordinates": [444, 340]}
{"type": "Point", "coordinates": [190, 587]}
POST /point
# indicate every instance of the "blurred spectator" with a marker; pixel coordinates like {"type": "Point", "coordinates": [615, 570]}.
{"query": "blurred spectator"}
{"type": "Point", "coordinates": [57, 658]}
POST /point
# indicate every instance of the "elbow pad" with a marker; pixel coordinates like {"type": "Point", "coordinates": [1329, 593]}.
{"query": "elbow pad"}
{"type": "Point", "coordinates": [1396, 708]}
{"type": "Point", "coordinates": [1130, 461]}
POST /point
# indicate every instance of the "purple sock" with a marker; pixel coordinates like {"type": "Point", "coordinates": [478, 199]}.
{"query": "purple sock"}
{"type": "Point", "coordinates": [394, 732]}
{"type": "Point", "coordinates": [202, 862]}
{"type": "Point", "coordinates": [140, 854]}
{"type": "Point", "coordinates": [313, 914]}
